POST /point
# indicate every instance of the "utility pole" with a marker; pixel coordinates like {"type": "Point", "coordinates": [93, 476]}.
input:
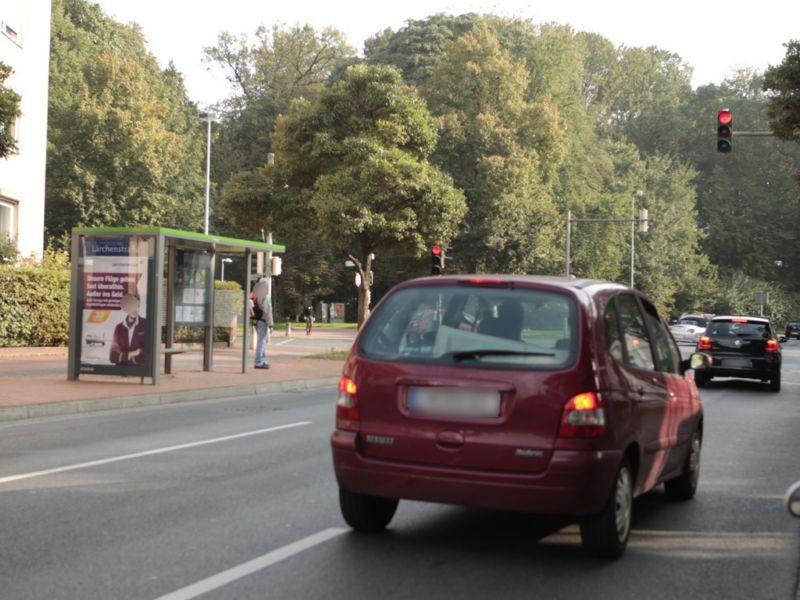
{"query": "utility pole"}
{"type": "Point", "coordinates": [569, 242]}
{"type": "Point", "coordinates": [634, 195]}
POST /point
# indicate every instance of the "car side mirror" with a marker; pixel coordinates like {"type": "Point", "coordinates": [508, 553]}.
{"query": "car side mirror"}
{"type": "Point", "coordinates": [697, 361]}
{"type": "Point", "coordinates": [792, 499]}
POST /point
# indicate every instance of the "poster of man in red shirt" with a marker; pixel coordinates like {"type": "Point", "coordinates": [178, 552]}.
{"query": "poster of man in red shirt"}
{"type": "Point", "coordinates": [128, 344]}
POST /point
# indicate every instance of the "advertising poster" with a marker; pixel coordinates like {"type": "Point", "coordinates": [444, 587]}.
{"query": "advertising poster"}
{"type": "Point", "coordinates": [114, 310]}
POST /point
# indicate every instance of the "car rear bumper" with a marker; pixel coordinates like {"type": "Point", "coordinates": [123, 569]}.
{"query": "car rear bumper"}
{"type": "Point", "coordinates": [758, 369]}
{"type": "Point", "coordinates": [575, 483]}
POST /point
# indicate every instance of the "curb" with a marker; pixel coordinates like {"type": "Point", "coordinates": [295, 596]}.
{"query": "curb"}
{"type": "Point", "coordinates": [74, 407]}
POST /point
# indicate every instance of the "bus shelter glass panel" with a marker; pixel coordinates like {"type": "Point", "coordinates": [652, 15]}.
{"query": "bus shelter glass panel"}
{"type": "Point", "coordinates": [192, 287]}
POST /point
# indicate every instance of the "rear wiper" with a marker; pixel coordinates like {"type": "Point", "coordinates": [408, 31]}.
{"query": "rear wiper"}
{"type": "Point", "coordinates": [467, 354]}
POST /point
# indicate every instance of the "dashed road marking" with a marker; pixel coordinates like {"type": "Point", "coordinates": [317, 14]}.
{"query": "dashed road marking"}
{"type": "Point", "coordinates": [252, 566]}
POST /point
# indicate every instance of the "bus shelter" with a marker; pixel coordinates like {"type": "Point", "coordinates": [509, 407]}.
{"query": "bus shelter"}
{"type": "Point", "coordinates": [131, 288]}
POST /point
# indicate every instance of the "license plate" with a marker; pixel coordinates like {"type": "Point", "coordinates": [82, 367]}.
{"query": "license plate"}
{"type": "Point", "coordinates": [737, 363]}
{"type": "Point", "coordinates": [426, 401]}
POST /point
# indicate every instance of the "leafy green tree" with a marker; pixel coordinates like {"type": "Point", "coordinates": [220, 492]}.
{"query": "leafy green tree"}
{"type": "Point", "coordinates": [256, 201]}
{"type": "Point", "coordinates": [266, 74]}
{"type": "Point", "coordinates": [668, 256]}
{"type": "Point", "coordinates": [502, 151]}
{"type": "Point", "coordinates": [356, 160]}
{"type": "Point", "coordinates": [125, 146]}
{"type": "Point", "coordinates": [783, 83]}
{"type": "Point", "coordinates": [416, 48]}
{"type": "Point", "coordinates": [9, 111]}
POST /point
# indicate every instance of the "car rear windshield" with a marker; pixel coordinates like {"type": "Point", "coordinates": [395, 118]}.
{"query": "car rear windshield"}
{"type": "Point", "coordinates": [737, 328]}
{"type": "Point", "coordinates": [696, 321]}
{"type": "Point", "coordinates": [474, 326]}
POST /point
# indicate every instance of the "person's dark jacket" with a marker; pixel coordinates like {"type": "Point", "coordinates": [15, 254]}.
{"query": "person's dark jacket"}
{"type": "Point", "coordinates": [122, 345]}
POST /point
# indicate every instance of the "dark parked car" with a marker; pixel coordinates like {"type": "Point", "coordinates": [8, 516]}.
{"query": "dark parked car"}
{"type": "Point", "coordinates": [743, 347]}
{"type": "Point", "coordinates": [793, 330]}
{"type": "Point", "coordinates": [536, 394]}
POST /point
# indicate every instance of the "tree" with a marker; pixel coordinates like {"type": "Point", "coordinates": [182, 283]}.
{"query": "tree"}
{"type": "Point", "coordinates": [357, 160]}
{"type": "Point", "coordinates": [280, 65]}
{"type": "Point", "coordinates": [502, 151]}
{"type": "Point", "coordinates": [416, 48]}
{"type": "Point", "coordinates": [9, 111]}
{"type": "Point", "coordinates": [125, 146]}
{"type": "Point", "coordinates": [783, 81]}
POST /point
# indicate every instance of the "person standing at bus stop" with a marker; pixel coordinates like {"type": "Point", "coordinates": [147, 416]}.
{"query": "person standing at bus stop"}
{"type": "Point", "coordinates": [261, 315]}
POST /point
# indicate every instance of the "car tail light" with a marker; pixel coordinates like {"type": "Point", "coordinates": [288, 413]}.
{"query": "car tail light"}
{"type": "Point", "coordinates": [772, 345]}
{"type": "Point", "coordinates": [347, 415]}
{"type": "Point", "coordinates": [704, 343]}
{"type": "Point", "coordinates": [583, 416]}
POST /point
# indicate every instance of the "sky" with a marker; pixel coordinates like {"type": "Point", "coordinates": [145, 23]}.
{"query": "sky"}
{"type": "Point", "coordinates": [714, 37]}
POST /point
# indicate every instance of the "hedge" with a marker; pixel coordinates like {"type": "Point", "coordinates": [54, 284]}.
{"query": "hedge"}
{"type": "Point", "coordinates": [34, 306]}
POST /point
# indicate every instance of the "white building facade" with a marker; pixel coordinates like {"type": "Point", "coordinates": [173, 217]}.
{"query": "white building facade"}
{"type": "Point", "coordinates": [25, 47]}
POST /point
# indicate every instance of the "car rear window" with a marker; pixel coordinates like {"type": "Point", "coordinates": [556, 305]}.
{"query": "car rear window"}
{"type": "Point", "coordinates": [696, 321]}
{"type": "Point", "coordinates": [737, 328]}
{"type": "Point", "coordinates": [474, 326]}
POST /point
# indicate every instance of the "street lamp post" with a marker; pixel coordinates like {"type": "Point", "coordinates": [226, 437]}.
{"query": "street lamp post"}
{"type": "Point", "coordinates": [223, 261]}
{"type": "Point", "coordinates": [208, 117]}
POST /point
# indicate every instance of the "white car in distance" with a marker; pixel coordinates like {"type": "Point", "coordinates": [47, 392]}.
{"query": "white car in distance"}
{"type": "Point", "coordinates": [689, 328]}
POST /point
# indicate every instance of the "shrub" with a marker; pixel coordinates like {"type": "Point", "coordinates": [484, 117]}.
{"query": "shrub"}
{"type": "Point", "coordinates": [34, 306]}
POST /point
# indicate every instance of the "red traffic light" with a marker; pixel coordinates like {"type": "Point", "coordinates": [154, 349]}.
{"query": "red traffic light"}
{"type": "Point", "coordinates": [724, 130]}
{"type": "Point", "coordinates": [436, 250]}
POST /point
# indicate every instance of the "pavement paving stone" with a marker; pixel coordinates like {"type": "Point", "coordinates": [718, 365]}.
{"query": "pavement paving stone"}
{"type": "Point", "coordinates": [33, 381]}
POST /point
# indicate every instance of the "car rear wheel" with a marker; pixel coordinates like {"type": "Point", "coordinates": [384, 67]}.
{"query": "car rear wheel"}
{"type": "Point", "coordinates": [684, 486]}
{"type": "Point", "coordinates": [366, 513]}
{"type": "Point", "coordinates": [775, 383]}
{"type": "Point", "coordinates": [605, 535]}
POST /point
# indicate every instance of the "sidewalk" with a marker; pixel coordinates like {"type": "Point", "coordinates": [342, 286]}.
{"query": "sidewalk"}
{"type": "Point", "coordinates": [33, 381]}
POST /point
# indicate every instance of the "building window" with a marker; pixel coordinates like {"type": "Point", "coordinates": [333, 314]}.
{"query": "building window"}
{"type": "Point", "coordinates": [8, 215]}
{"type": "Point", "coordinates": [11, 20]}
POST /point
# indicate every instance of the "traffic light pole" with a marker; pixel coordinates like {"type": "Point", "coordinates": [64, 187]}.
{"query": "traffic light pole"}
{"type": "Point", "coordinates": [752, 134]}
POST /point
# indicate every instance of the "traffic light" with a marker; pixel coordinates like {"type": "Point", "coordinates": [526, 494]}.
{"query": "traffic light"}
{"type": "Point", "coordinates": [437, 260]}
{"type": "Point", "coordinates": [724, 130]}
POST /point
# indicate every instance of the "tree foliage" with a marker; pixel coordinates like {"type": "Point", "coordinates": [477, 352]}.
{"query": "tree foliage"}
{"type": "Point", "coordinates": [278, 66]}
{"type": "Point", "coordinates": [125, 147]}
{"type": "Point", "coordinates": [783, 107]}
{"type": "Point", "coordinates": [531, 121]}
{"type": "Point", "coordinates": [501, 150]}
{"type": "Point", "coordinates": [9, 111]}
{"type": "Point", "coordinates": [356, 159]}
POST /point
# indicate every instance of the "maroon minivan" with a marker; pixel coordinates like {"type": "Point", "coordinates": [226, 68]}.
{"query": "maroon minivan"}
{"type": "Point", "coordinates": [537, 394]}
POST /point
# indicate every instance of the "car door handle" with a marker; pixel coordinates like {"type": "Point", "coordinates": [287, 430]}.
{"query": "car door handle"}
{"type": "Point", "coordinates": [450, 439]}
{"type": "Point", "coordinates": [639, 390]}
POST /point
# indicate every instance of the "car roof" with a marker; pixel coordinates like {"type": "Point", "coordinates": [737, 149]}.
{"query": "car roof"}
{"type": "Point", "coordinates": [553, 281]}
{"type": "Point", "coordinates": [730, 317]}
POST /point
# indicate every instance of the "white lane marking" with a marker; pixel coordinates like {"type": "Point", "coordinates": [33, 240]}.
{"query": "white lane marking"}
{"type": "Point", "coordinates": [282, 343]}
{"type": "Point", "coordinates": [113, 459]}
{"type": "Point", "coordinates": [248, 568]}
